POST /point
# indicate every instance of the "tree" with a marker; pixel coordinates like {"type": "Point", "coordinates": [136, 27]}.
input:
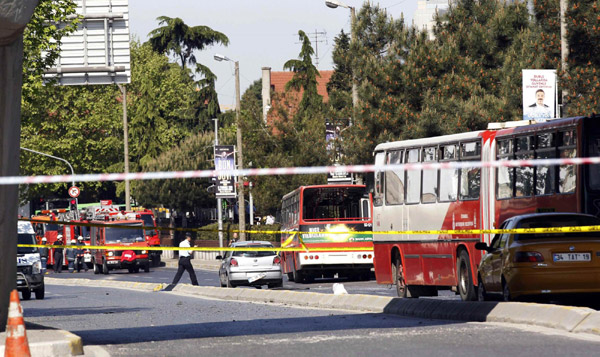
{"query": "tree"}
{"type": "Point", "coordinates": [339, 87]}
{"type": "Point", "coordinates": [181, 40]}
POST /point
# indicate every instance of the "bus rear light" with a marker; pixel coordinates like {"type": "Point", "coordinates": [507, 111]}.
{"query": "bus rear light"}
{"type": "Point", "coordinates": [364, 256]}
{"type": "Point", "coordinates": [316, 257]}
{"type": "Point", "coordinates": [306, 257]}
{"type": "Point", "coordinates": [234, 263]}
{"type": "Point", "coordinates": [528, 257]}
{"type": "Point", "coordinates": [277, 260]}
{"type": "Point", "coordinates": [370, 256]}
{"type": "Point", "coordinates": [310, 257]}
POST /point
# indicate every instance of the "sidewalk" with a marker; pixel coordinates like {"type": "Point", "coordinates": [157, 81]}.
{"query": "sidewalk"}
{"type": "Point", "coordinates": [202, 264]}
{"type": "Point", "coordinates": [46, 341]}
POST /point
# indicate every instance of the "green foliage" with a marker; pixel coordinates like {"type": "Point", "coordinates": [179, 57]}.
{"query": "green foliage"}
{"type": "Point", "coordinates": [42, 40]}
{"type": "Point", "coordinates": [339, 87]}
{"type": "Point", "coordinates": [209, 232]}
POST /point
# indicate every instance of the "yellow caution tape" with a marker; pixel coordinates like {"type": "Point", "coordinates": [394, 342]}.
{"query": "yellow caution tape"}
{"type": "Point", "coordinates": [205, 249]}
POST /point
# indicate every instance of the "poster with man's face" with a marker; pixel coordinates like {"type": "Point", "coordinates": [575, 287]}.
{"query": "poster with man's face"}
{"type": "Point", "coordinates": [539, 94]}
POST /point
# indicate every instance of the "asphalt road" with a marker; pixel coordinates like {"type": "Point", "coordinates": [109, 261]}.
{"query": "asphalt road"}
{"type": "Point", "coordinates": [127, 323]}
{"type": "Point", "coordinates": [211, 278]}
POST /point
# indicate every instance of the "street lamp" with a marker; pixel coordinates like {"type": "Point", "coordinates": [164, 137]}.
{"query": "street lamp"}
{"type": "Point", "coordinates": [241, 202]}
{"type": "Point", "coordinates": [333, 4]}
{"type": "Point", "coordinates": [60, 159]}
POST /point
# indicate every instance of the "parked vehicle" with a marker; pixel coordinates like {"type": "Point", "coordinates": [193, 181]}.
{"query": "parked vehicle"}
{"type": "Point", "coordinates": [30, 276]}
{"type": "Point", "coordinates": [104, 233]}
{"type": "Point", "coordinates": [523, 264]}
{"type": "Point", "coordinates": [152, 236]}
{"type": "Point", "coordinates": [253, 268]}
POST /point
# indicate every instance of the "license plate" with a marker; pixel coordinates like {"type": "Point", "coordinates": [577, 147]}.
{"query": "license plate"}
{"type": "Point", "coordinates": [20, 282]}
{"type": "Point", "coordinates": [112, 262]}
{"type": "Point", "coordinates": [572, 257]}
{"type": "Point", "coordinates": [256, 277]}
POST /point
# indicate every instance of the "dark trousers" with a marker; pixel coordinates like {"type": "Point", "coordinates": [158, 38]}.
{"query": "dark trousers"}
{"type": "Point", "coordinates": [58, 257]}
{"type": "Point", "coordinates": [185, 264]}
{"type": "Point", "coordinates": [80, 264]}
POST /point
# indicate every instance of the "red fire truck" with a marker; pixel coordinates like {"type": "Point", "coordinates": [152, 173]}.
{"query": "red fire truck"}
{"type": "Point", "coordinates": [123, 233]}
{"type": "Point", "coordinates": [152, 236]}
{"type": "Point", "coordinates": [49, 229]}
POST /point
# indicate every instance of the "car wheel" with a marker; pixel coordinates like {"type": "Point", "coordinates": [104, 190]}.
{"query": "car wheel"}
{"type": "Point", "coordinates": [466, 288]}
{"type": "Point", "coordinates": [104, 267]}
{"type": "Point", "coordinates": [298, 276]}
{"type": "Point", "coordinates": [26, 294]}
{"type": "Point", "coordinates": [278, 284]}
{"type": "Point", "coordinates": [481, 292]}
{"type": "Point", "coordinates": [229, 283]}
{"type": "Point", "coordinates": [40, 292]}
{"type": "Point", "coordinates": [505, 291]}
{"type": "Point", "coordinates": [398, 273]}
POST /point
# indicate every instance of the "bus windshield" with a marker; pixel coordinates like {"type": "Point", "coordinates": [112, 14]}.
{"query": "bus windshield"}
{"type": "Point", "coordinates": [333, 203]}
{"type": "Point", "coordinates": [124, 235]}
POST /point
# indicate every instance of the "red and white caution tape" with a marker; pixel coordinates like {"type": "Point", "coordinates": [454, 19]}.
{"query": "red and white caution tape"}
{"type": "Point", "coordinates": [18, 180]}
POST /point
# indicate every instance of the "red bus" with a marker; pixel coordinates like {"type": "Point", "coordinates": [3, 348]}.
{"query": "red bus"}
{"type": "Point", "coordinates": [473, 198]}
{"type": "Point", "coordinates": [321, 209]}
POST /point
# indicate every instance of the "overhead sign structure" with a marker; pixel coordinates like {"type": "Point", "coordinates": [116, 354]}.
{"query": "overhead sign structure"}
{"type": "Point", "coordinates": [539, 94]}
{"type": "Point", "coordinates": [98, 51]}
{"type": "Point", "coordinates": [74, 191]}
{"type": "Point", "coordinates": [225, 160]}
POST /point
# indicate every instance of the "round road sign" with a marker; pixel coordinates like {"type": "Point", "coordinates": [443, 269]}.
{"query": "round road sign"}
{"type": "Point", "coordinates": [74, 191]}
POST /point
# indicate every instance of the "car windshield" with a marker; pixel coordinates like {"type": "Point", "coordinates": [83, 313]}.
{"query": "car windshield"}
{"type": "Point", "coordinates": [556, 221]}
{"type": "Point", "coordinates": [148, 221]}
{"type": "Point", "coordinates": [124, 235]}
{"type": "Point", "coordinates": [254, 254]}
{"type": "Point", "coordinates": [26, 238]}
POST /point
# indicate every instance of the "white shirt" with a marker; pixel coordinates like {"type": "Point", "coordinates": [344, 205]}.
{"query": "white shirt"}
{"type": "Point", "coordinates": [184, 253]}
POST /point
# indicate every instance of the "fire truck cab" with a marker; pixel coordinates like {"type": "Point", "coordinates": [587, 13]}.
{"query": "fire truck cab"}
{"type": "Point", "coordinates": [152, 235]}
{"type": "Point", "coordinates": [110, 233]}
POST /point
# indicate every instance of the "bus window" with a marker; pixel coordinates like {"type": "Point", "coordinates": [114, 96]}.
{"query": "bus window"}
{"type": "Point", "coordinates": [413, 178]}
{"type": "Point", "coordinates": [524, 175]}
{"type": "Point", "coordinates": [430, 181]}
{"type": "Point", "coordinates": [594, 169]}
{"type": "Point", "coordinates": [470, 177]}
{"type": "Point", "coordinates": [379, 177]}
{"type": "Point", "coordinates": [448, 177]}
{"type": "Point", "coordinates": [567, 176]}
{"type": "Point", "coordinates": [545, 178]}
{"type": "Point", "coordinates": [394, 180]}
{"type": "Point", "coordinates": [504, 175]}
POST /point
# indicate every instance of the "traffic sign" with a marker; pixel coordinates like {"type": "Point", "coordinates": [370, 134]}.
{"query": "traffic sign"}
{"type": "Point", "coordinates": [74, 191]}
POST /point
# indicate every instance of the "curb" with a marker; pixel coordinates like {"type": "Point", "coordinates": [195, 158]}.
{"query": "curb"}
{"type": "Point", "coordinates": [196, 263]}
{"type": "Point", "coordinates": [50, 342]}
{"type": "Point", "coordinates": [565, 318]}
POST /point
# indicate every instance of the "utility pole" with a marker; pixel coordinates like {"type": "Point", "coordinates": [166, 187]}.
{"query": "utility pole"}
{"type": "Point", "coordinates": [219, 200]}
{"type": "Point", "coordinates": [125, 147]}
{"type": "Point", "coordinates": [241, 200]}
{"type": "Point", "coordinates": [564, 52]}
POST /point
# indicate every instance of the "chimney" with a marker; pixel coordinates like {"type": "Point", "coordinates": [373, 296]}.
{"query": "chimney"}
{"type": "Point", "coordinates": [266, 91]}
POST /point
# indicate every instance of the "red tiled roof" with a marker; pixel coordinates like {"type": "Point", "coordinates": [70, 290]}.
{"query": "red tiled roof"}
{"type": "Point", "coordinates": [280, 79]}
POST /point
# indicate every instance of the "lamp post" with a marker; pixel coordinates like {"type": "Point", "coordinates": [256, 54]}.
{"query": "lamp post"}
{"type": "Point", "coordinates": [56, 158]}
{"type": "Point", "coordinates": [334, 4]}
{"type": "Point", "coordinates": [241, 202]}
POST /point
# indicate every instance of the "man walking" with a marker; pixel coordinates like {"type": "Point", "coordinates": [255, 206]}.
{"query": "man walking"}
{"type": "Point", "coordinates": [185, 263]}
{"type": "Point", "coordinates": [58, 254]}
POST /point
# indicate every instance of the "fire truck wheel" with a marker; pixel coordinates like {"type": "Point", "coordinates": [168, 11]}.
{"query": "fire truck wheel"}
{"type": "Point", "coordinates": [40, 292]}
{"type": "Point", "coordinates": [26, 294]}
{"type": "Point", "coordinates": [147, 268]}
{"type": "Point", "coordinates": [96, 267]}
{"type": "Point", "coordinates": [130, 270]}
{"type": "Point", "coordinates": [104, 267]}
{"type": "Point", "coordinates": [136, 270]}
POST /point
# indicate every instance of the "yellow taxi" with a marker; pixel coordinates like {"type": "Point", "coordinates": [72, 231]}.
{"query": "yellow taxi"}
{"type": "Point", "coordinates": [523, 264]}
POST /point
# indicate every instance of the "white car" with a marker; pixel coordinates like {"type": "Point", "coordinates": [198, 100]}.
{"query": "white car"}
{"type": "Point", "coordinates": [251, 268]}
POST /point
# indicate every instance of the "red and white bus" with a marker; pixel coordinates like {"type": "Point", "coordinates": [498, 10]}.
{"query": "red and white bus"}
{"type": "Point", "coordinates": [473, 198]}
{"type": "Point", "coordinates": [321, 209]}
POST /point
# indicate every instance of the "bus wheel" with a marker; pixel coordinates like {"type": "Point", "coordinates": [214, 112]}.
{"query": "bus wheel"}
{"type": "Point", "coordinates": [466, 288]}
{"type": "Point", "coordinates": [398, 273]}
{"type": "Point", "coordinates": [298, 276]}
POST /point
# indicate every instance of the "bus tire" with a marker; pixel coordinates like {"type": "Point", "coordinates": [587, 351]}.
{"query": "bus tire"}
{"type": "Point", "coordinates": [398, 274]}
{"type": "Point", "coordinates": [298, 276]}
{"type": "Point", "coordinates": [465, 287]}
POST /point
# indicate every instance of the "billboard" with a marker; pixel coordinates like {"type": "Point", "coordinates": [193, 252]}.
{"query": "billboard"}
{"type": "Point", "coordinates": [539, 94]}
{"type": "Point", "coordinates": [225, 160]}
{"type": "Point", "coordinates": [98, 51]}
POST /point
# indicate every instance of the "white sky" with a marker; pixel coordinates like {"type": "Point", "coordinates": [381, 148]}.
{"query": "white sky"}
{"type": "Point", "coordinates": [262, 33]}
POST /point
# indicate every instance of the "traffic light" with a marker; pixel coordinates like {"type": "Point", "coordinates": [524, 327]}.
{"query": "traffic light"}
{"type": "Point", "coordinates": [73, 206]}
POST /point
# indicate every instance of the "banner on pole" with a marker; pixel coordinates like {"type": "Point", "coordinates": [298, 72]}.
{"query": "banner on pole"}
{"type": "Point", "coordinates": [539, 94]}
{"type": "Point", "coordinates": [225, 160]}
